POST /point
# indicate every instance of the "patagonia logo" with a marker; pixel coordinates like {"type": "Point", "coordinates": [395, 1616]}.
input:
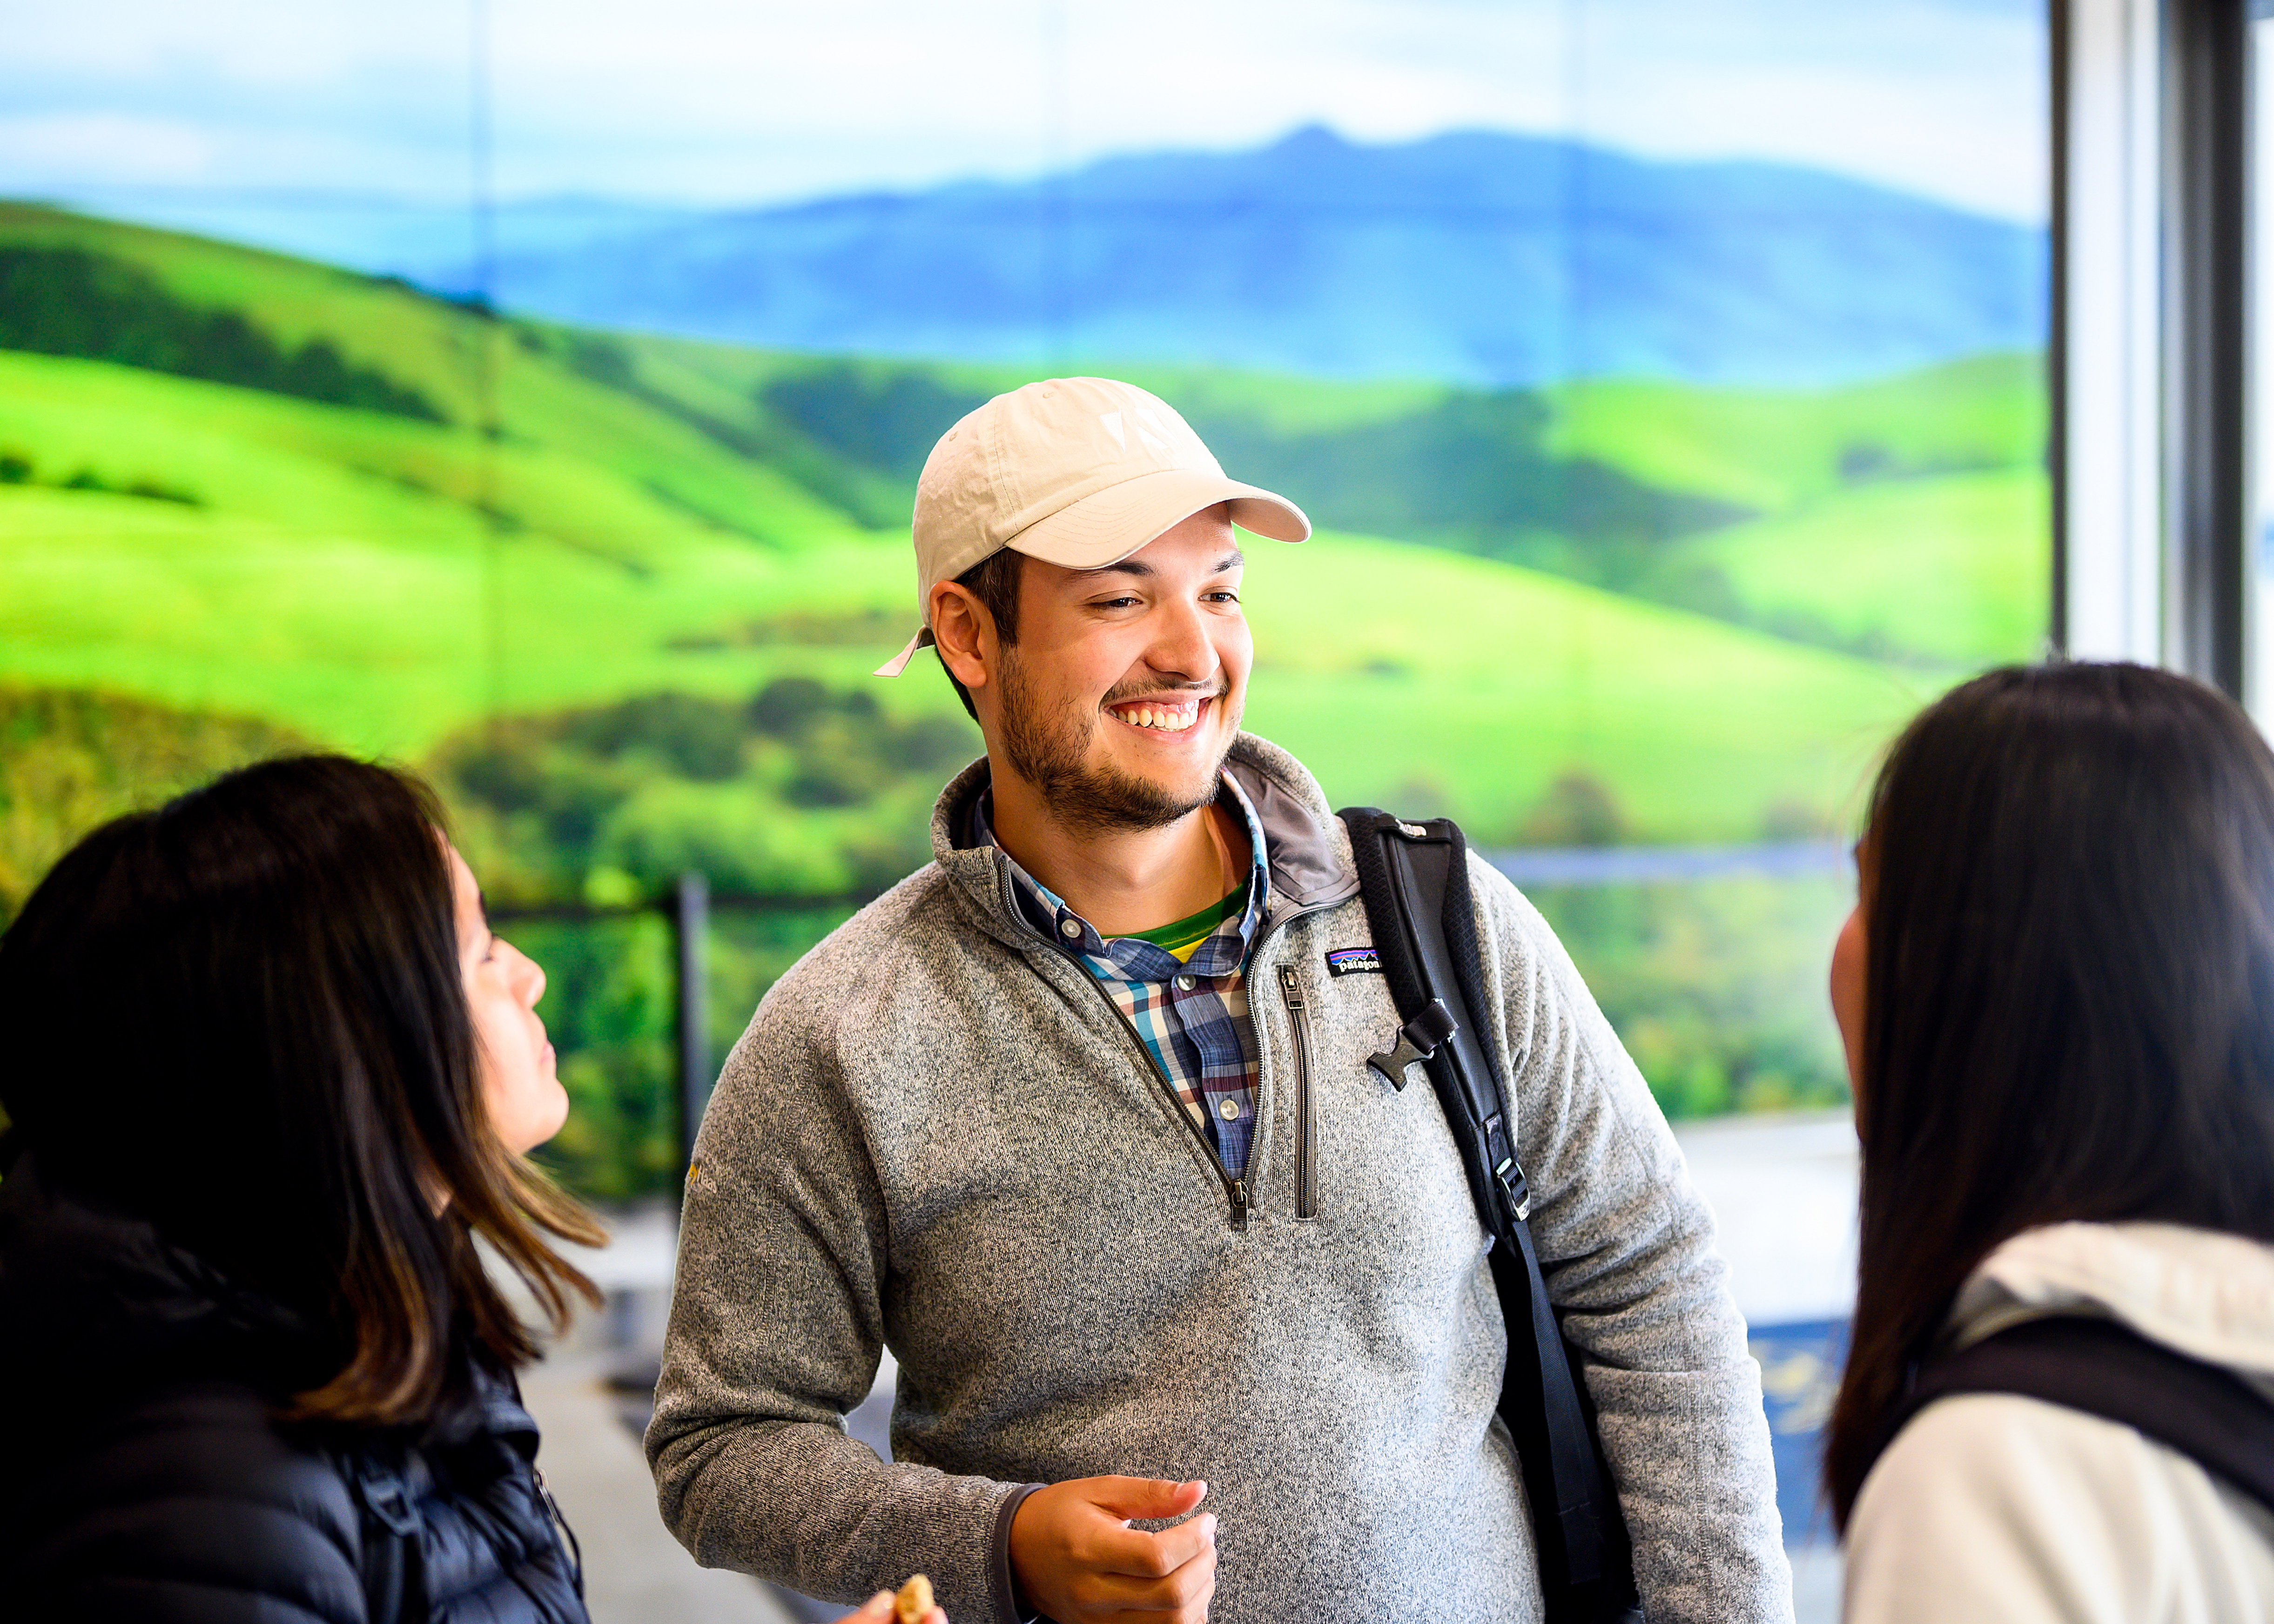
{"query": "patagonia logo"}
{"type": "Point", "coordinates": [1353, 960]}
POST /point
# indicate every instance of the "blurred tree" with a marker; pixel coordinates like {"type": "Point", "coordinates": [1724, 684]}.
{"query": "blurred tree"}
{"type": "Point", "coordinates": [70, 302]}
{"type": "Point", "coordinates": [1578, 809]}
{"type": "Point", "coordinates": [73, 758]}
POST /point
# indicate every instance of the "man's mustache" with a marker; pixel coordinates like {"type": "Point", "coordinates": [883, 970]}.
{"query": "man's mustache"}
{"type": "Point", "coordinates": [1150, 690]}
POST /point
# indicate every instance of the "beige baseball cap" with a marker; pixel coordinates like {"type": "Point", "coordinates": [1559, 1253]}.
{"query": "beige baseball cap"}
{"type": "Point", "coordinates": [1077, 471]}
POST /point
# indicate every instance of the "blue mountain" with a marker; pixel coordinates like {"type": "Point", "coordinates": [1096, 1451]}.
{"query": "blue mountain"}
{"type": "Point", "coordinates": [1474, 257]}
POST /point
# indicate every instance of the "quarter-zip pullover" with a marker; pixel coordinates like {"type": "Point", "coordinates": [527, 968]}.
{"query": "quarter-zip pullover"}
{"type": "Point", "coordinates": [939, 1134]}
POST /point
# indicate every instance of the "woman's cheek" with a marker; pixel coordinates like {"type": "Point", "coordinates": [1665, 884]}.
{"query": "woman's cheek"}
{"type": "Point", "coordinates": [1846, 990]}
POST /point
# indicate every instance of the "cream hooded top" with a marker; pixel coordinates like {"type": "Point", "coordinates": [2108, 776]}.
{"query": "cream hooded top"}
{"type": "Point", "coordinates": [1991, 1506]}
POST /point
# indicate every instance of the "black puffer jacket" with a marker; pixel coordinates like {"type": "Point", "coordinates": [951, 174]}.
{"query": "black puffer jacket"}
{"type": "Point", "coordinates": [143, 1477]}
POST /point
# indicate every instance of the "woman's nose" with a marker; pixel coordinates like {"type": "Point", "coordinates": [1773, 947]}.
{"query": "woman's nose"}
{"type": "Point", "coordinates": [528, 978]}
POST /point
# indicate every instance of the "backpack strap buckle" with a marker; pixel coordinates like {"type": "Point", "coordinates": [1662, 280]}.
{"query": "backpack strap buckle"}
{"type": "Point", "coordinates": [1516, 1187]}
{"type": "Point", "coordinates": [1419, 1039]}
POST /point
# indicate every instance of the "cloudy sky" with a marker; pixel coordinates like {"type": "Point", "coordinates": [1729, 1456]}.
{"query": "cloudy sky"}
{"type": "Point", "coordinates": [714, 102]}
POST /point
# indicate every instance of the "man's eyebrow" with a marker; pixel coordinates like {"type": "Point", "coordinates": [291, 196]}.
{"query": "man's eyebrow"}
{"type": "Point", "coordinates": [1232, 559]}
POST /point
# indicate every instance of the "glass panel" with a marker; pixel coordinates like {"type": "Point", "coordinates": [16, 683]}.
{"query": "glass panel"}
{"type": "Point", "coordinates": [610, 1006]}
{"type": "Point", "coordinates": [1666, 382]}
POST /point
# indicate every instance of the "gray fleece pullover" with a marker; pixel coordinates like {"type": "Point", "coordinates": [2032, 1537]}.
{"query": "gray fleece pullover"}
{"type": "Point", "coordinates": [938, 1134]}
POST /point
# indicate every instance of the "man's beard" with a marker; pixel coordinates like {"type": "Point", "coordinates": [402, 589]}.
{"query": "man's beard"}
{"type": "Point", "coordinates": [1049, 751]}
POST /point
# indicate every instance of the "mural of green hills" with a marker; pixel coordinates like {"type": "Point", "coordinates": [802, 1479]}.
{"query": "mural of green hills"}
{"type": "Point", "coordinates": [1756, 587]}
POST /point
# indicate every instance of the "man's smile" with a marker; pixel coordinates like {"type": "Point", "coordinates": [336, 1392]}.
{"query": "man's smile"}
{"type": "Point", "coordinates": [1161, 712]}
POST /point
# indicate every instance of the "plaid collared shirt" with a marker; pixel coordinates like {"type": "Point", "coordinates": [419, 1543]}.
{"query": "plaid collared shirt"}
{"type": "Point", "coordinates": [1191, 1016]}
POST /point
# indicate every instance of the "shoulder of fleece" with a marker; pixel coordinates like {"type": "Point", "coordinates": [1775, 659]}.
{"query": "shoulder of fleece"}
{"type": "Point", "coordinates": [888, 954]}
{"type": "Point", "coordinates": [1516, 924]}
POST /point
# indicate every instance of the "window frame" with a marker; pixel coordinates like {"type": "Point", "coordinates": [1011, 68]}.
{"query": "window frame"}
{"type": "Point", "coordinates": [2150, 355]}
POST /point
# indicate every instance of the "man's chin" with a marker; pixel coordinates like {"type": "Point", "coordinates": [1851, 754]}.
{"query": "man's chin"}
{"type": "Point", "coordinates": [1111, 792]}
{"type": "Point", "coordinates": [1188, 767]}
{"type": "Point", "coordinates": [1168, 781]}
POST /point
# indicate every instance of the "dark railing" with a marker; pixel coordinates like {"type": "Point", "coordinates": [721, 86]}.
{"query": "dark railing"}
{"type": "Point", "coordinates": [691, 937]}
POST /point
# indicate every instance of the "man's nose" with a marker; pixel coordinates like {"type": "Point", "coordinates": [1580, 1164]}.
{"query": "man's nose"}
{"type": "Point", "coordinates": [1181, 645]}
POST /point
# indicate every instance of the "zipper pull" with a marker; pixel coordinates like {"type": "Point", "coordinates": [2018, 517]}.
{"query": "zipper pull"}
{"type": "Point", "coordinates": [1238, 1203]}
{"type": "Point", "coordinates": [1291, 987]}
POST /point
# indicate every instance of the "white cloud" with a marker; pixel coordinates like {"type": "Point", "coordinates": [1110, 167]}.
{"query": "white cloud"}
{"type": "Point", "coordinates": [107, 146]}
{"type": "Point", "coordinates": [721, 102]}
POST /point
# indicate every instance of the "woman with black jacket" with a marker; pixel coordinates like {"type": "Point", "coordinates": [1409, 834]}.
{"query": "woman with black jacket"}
{"type": "Point", "coordinates": [270, 1076]}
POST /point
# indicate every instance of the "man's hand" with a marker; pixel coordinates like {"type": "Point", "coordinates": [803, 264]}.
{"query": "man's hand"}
{"type": "Point", "coordinates": [1079, 1562]}
{"type": "Point", "coordinates": [878, 1610]}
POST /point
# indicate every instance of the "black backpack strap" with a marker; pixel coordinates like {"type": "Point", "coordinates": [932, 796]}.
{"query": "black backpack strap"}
{"type": "Point", "coordinates": [1414, 879]}
{"type": "Point", "coordinates": [2102, 1368]}
{"type": "Point", "coordinates": [392, 1561]}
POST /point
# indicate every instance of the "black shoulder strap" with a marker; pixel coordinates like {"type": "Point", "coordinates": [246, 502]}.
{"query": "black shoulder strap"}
{"type": "Point", "coordinates": [2104, 1369]}
{"type": "Point", "coordinates": [1414, 878]}
{"type": "Point", "coordinates": [393, 1577]}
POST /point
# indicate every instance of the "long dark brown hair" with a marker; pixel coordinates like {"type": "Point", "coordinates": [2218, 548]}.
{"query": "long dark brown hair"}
{"type": "Point", "coordinates": [241, 1018]}
{"type": "Point", "coordinates": [2069, 993]}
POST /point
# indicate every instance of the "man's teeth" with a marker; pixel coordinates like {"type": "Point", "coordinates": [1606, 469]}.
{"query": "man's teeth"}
{"type": "Point", "coordinates": [1165, 718]}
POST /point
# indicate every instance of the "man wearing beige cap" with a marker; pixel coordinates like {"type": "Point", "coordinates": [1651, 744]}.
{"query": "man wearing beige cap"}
{"type": "Point", "coordinates": [1192, 1309]}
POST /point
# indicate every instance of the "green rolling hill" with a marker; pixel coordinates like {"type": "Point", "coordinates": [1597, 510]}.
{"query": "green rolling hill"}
{"type": "Point", "coordinates": [347, 573]}
{"type": "Point", "coordinates": [1908, 520]}
{"type": "Point", "coordinates": [597, 516]}
{"type": "Point", "coordinates": [1852, 568]}
{"type": "Point", "coordinates": [1777, 449]}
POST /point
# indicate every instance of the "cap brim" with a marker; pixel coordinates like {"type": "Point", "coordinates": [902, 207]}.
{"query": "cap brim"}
{"type": "Point", "coordinates": [1107, 526]}
{"type": "Point", "coordinates": [899, 663]}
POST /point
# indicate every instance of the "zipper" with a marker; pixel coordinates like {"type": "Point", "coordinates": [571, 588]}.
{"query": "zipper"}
{"type": "Point", "coordinates": [1306, 1184]}
{"type": "Point", "coordinates": [1237, 1195]}
{"type": "Point", "coordinates": [576, 1552]}
{"type": "Point", "coordinates": [1235, 1190]}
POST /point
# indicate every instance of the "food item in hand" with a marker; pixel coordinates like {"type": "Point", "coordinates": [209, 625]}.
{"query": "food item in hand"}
{"type": "Point", "coordinates": [914, 1602]}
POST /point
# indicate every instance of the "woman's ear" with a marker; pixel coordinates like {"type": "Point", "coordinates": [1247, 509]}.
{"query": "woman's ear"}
{"type": "Point", "coordinates": [965, 632]}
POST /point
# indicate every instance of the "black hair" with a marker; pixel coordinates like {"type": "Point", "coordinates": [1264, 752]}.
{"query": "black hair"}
{"type": "Point", "coordinates": [241, 1018]}
{"type": "Point", "coordinates": [994, 580]}
{"type": "Point", "coordinates": [2068, 877]}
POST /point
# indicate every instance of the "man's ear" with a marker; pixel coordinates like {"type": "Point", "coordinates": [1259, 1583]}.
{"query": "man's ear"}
{"type": "Point", "coordinates": [965, 632]}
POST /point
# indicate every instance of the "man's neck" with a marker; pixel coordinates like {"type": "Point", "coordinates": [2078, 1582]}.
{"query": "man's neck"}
{"type": "Point", "coordinates": [1123, 880]}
